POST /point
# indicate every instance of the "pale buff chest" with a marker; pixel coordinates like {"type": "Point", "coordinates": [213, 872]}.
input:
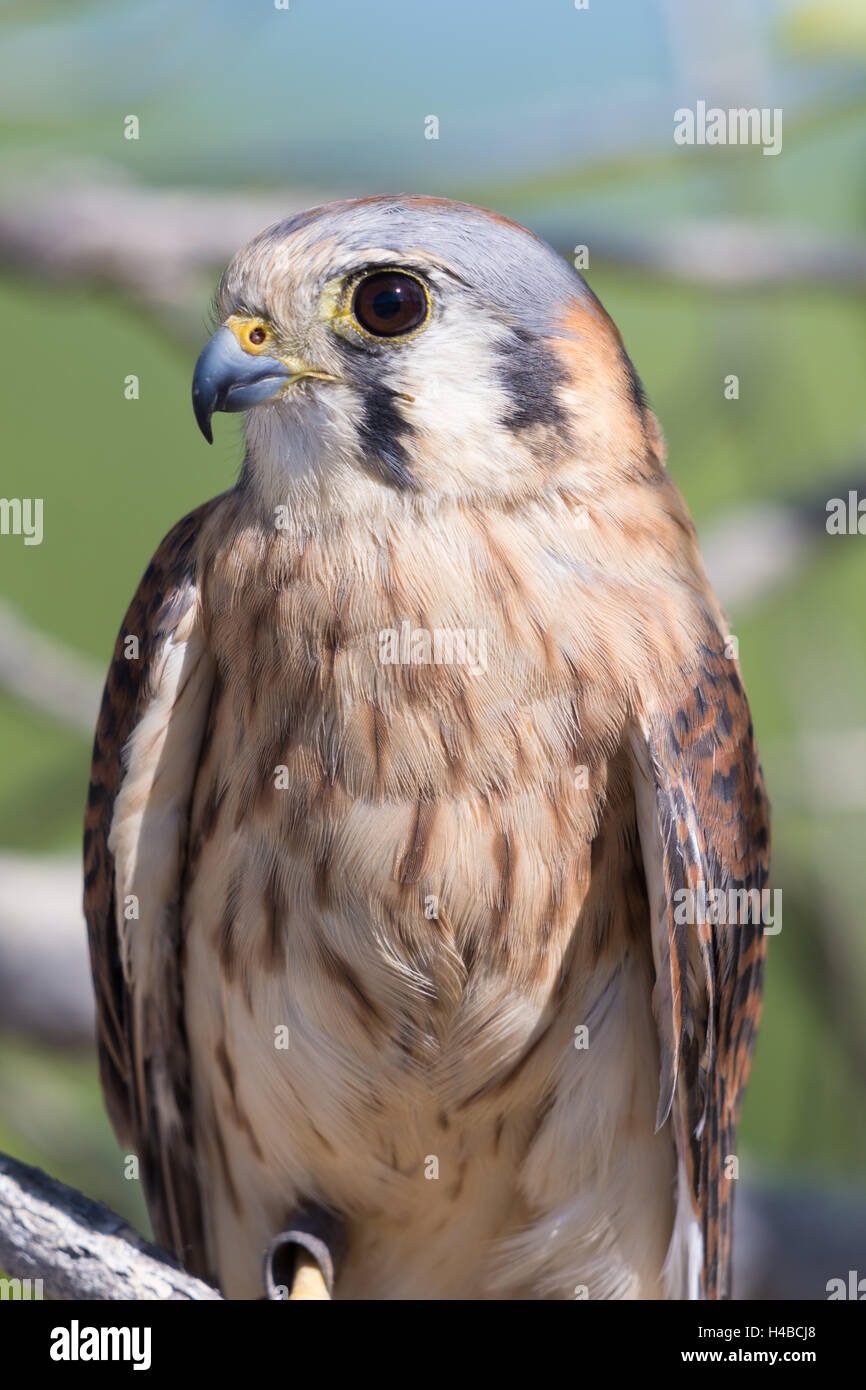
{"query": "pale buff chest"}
{"type": "Point", "coordinates": [393, 910]}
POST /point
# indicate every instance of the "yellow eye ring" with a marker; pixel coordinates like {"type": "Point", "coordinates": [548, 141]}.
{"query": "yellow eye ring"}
{"type": "Point", "coordinates": [339, 304]}
{"type": "Point", "coordinates": [252, 334]}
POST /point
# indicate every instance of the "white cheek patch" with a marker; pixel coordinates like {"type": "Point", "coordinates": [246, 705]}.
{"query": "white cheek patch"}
{"type": "Point", "coordinates": [316, 448]}
{"type": "Point", "coordinates": [454, 373]}
{"type": "Point", "coordinates": [453, 370]}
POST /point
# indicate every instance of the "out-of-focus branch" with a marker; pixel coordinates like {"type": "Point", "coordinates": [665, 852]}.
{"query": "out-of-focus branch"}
{"type": "Point", "coordinates": [45, 986]}
{"type": "Point", "coordinates": [163, 246]}
{"type": "Point", "coordinates": [47, 675]}
{"type": "Point", "coordinates": [723, 253]}
{"type": "Point", "coordinates": [160, 246]}
{"type": "Point", "coordinates": [79, 1248]}
{"type": "Point", "coordinates": [791, 1240]}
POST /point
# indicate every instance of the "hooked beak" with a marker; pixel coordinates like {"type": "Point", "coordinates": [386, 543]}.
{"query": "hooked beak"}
{"type": "Point", "coordinates": [227, 378]}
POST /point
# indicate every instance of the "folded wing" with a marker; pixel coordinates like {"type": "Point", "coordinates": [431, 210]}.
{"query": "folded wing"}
{"type": "Point", "coordinates": [146, 752]}
{"type": "Point", "coordinates": [704, 831]}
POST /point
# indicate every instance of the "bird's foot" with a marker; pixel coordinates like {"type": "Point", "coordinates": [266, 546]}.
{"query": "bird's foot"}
{"type": "Point", "coordinates": [300, 1263]}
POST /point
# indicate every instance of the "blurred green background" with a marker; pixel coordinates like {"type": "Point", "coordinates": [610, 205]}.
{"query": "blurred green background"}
{"type": "Point", "coordinates": [711, 261]}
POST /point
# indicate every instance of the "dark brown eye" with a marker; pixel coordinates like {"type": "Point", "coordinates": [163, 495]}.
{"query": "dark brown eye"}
{"type": "Point", "coordinates": [388, 304]}
{"type": "Point", "coordinates": [257, 335]}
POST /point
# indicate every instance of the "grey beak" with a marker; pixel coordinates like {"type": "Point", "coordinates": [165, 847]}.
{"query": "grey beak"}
{"type": "Point", "coordinates": [227, 378]}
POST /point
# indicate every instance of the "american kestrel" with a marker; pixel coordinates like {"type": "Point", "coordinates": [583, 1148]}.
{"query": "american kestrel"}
{"type": "Point", "coordinates": [421, 753]}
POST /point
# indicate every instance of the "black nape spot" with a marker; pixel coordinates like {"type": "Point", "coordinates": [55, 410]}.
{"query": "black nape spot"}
{"type": "Point", "coordinates": [531, 373]}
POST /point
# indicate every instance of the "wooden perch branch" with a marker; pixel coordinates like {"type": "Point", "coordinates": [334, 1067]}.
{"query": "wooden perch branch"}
{"type": "Point", "coordinates": [80, 1249]}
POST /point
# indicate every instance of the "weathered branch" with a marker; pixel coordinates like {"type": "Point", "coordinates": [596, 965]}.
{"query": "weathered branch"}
{"type": "Point", "coordinates": [78, 1248]}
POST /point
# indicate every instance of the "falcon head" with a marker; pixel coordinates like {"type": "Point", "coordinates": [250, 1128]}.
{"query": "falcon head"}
{"type": "Point", "coordinates": [430, 346]}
